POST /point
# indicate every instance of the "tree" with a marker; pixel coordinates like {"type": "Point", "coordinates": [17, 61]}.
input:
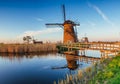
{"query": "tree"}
{"type": "Point", "coordinates": [27, 39]}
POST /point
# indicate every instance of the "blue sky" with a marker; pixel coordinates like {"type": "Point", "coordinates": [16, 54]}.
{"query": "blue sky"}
{"type": "Point", "coordinates": [99, 19]}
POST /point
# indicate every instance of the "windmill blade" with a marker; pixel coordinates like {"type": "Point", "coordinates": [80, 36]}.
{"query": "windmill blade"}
{"type": "Point", "coordinates": [54, 25]}
{"type": "Point", "coordinates": [64, 14]}
{"type": "Point", "coordinates": [77, 24]}
{"type": "Point", "coordinates": [75, 29]}
{"type": "Point", "coordinates": [59, 67]}
{"type": "Point", "coordinates": [76, 34]}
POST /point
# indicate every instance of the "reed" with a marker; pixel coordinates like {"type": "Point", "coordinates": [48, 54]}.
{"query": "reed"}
{"type": "Point", "coordinates": [27, 48]}
{"type": "Point", "coordinates": [82, 76]}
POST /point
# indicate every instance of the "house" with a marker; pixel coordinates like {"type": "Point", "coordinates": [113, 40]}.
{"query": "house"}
{"type": "Point", "coordinates": [37, 42]}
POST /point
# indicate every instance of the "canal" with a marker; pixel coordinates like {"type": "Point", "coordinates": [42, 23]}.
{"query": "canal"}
{"type": "Point", "coordinates": [41, 69]}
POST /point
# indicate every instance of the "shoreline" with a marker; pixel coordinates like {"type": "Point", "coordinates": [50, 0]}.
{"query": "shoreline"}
{"type": "Point", "coordinates": [27, 48]}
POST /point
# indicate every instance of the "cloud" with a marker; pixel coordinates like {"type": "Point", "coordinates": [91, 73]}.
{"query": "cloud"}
{"type": "Point", "coordinates": [100, 12]}
{"type": "Point", "coordinates": [39, 32]}
{"type": "Point", "coordinates": [92, 23]}
{"type": "Point", "coordinates": [39, 19]}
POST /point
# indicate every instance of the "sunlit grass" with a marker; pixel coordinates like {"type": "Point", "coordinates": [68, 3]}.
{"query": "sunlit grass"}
{"type": "Point", "coordinates": [109, 74]}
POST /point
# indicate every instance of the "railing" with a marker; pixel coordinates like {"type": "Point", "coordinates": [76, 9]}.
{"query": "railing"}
{"type": "Point", "coordinates": [112, 46]}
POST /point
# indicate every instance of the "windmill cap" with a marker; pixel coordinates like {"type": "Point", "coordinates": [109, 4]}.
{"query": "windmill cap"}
{"type": "Point", "coordinates": [69, 22]}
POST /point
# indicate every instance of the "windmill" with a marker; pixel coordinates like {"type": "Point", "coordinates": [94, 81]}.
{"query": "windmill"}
{"type": "Point", "coordinates": [69, 27]}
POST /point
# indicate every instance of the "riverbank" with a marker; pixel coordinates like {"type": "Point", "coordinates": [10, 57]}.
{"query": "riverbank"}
{"type": "Point", "coordinates": [106, 71]}
{"type": "Point", "coordinates": [27, 48]}
{"type": "Point", "coordinates": [110, 72]}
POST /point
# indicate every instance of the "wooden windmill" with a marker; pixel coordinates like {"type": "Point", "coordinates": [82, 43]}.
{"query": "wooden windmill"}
{"type": "Point", "coordinates": [69, 27]}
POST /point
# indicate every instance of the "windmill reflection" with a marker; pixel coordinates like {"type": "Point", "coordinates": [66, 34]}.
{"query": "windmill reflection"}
{"type": "Point", "coordinates": [71, 60]}
{"type": "Point", "coordinates": [74, 61]}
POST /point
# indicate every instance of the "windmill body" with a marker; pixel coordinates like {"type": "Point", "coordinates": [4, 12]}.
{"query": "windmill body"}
{"type": "Point", "coordinates": [70, 35]}
{"type": "Point", "coordinates": [69, 32]}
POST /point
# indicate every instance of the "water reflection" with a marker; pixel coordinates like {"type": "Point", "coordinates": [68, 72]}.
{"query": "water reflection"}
{"type": "Point", "coordinates": [41, 68]}
{"type": "Point", "coordinates": [71, 63]}
{"type": "Point", "coordinates": [20, 57]}
{"type": "Point", "coordinates": [75, 61]}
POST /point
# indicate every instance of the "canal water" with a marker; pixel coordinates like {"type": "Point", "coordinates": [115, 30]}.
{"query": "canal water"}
{"type": "Point", "coordinates": [40, 69]}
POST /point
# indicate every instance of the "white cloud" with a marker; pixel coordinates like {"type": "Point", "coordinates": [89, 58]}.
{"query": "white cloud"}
{"type": "Point", "coordinates": [39, 19]}
{"type": "Point", "coordinates": [39, 32]}
{"type": "Point", "coordinates": [100, 12]}
{"type": "Point", "coordinates": [92, 23]}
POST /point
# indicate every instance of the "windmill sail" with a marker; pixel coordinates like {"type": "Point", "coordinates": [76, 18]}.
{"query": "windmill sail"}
{"type": "Point", "coordinates": [54, 25]}
{"type": "Point", "coordinates": [64, 15]}
{"type": "Point", "coordinates": [76, 34]}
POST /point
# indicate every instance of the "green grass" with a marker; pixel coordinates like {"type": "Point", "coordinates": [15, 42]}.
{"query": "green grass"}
{"type": "Point", "coordinates": [110, 74]}
{"type": "Point", "coordinates": [106, 71]}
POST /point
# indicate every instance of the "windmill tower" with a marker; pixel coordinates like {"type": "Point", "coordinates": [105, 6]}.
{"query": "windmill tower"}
{"type": "Point", "coordinates": [69, 27]}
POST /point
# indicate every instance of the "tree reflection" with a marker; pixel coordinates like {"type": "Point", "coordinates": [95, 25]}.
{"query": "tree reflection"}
{"type": "Point", "coordinates": [19, 57]}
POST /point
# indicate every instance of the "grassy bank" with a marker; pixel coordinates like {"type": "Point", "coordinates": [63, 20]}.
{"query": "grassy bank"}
{"type": "Point", "coordinates": [105, 71]}
{"type": "Point", "coordinates": [27, 48]}
{"type": "Point", "coordinates": [110, 74]}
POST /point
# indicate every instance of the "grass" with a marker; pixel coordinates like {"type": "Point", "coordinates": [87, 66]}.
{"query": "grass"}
{"type": "Point", "coordinates": [110, 74]}
{"type": "Point", "coordinates": [105, 71]}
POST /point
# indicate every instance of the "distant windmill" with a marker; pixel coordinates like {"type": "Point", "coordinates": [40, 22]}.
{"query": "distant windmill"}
{"type": "Point", "coordinates": [69, 27]}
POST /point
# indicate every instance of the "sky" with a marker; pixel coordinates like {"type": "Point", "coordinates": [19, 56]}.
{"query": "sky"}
{"type": "Point", "coordinates": [99, 19]}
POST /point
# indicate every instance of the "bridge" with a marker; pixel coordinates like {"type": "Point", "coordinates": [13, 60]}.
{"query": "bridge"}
{"type": "Point", "coordinates": [104, 47]}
